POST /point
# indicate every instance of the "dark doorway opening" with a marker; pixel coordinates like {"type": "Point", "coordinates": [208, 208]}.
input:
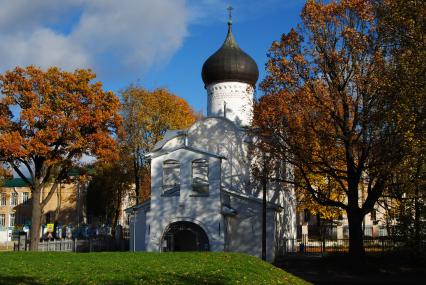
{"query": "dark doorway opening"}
{"type": "Point", "coordinates": [185, 236]}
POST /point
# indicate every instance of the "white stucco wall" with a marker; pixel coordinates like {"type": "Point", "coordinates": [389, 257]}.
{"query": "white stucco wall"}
{"type": "Point", "coordinates": [226, 148]}
{"type": "Point", "coordinates": [221, 136]}
{"type": "Point", "coordinates": [201, 210]}
{"type": "Point", "coordinates": [140, 225]}
{"type": "Point", "coordinates": [244, 231]}
{"type": "Point", "coordinates": [238, 98]}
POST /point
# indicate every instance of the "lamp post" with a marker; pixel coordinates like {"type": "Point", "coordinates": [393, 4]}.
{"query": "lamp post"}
{"type": "Point", "coordinates": [134, 210]}
{"type": "Point", "coordinates": [264, 184]}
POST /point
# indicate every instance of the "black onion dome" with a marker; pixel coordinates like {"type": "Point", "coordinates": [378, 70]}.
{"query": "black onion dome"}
{"type": "Point", "coordinates": [230, 63]}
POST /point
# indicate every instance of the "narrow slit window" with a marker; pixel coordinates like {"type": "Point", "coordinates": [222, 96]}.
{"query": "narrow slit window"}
{"type": "Point", "coordinates": [200, 176]}
{"type": "Point", "coordinates": [171, 177]}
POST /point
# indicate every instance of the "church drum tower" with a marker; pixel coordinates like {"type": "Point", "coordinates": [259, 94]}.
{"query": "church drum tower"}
{"type": "Point", "coordinates": [230, 76]}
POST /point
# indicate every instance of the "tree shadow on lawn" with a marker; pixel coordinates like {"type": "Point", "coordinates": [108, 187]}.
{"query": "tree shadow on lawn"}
{"type": "Point", "coordinates": [209, 279]}
{"type": "Point", "coordinates": [171, 279]}
{"type": "Point", "coordinates": [338, 269]}
{"type": "Point", "coordinates": [13, 280]}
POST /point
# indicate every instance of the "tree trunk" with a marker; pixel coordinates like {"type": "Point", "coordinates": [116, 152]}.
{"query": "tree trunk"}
{"type": "Point", "coordinates": [116, 216]}
{"type": "Point", "coordinates": [417, 222]}
{"type": "Point", "coordinates": [264, 184]}
{"type": "Point", "coordinates": [35, 219]}
{"type": "Point", "coordinates": [356, 245]}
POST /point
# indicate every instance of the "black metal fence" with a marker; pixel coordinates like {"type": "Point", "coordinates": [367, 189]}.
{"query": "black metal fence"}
{"type": "Point", "coordinates": [305, 245]}
{"type": "Point", "coordinates": [75, 245]}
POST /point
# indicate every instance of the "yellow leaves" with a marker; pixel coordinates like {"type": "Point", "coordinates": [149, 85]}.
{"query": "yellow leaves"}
{"type": "Point", "coordinates": [148, 114]}
{"type": "Point", "coordinates": [322, 13]}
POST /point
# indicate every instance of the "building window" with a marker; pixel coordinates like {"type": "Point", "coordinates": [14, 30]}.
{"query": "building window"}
{"type": "Point", "coordinates": [306, 215]}
{"type": "Point", "coordinates": [11, 220]}
{"type": "Point", "coordinates": [25, 198]}
{"type": "Point", "coordinates": [383, 232]}
{"type": "Point", "coordinates": [171, 177]}
{"type": "Point", "coordinates": [368, 231]}
{"type": "Point", "coordinates": [14, 199]}
{"type": "Point", "coordinates": [200, 176]}
{"type": "Point", "coordinates": [2, 220]}
{"type": "Point", "coordinates": [373, 215]}
{"type": "Point", "coordinates": [3, 199]}
{"type": "Point", "coordinates": [346, 232]}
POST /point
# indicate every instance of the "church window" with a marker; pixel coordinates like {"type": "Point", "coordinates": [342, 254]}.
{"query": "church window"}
{"type": "Point", "coordinates": [171, 177]}
{"type": "Point", "coordinates": [200, 176]}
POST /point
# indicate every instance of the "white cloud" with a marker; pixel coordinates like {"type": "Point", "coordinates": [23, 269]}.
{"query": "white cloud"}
{"type": "Point", "coordinates": [43, 47]}
{"type": "Point", "coordinates": [112, 37]}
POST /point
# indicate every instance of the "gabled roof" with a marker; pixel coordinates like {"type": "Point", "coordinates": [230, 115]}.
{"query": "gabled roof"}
{"type": "Point", "coordinates": [145, 205]}
{"type": "Point", "coordinates": [168, 136]}
{"type": "Point", "coordinates": [187, 147]}
{"type": "Point", "coordinates": [269, 205]}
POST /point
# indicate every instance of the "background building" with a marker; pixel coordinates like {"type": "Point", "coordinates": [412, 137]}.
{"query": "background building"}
{"type": "Point", "coordinates": [66, 206]}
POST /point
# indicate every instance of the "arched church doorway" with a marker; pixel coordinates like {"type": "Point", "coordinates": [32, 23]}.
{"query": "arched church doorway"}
{"type": "Point", "coordinates": [185, 236]}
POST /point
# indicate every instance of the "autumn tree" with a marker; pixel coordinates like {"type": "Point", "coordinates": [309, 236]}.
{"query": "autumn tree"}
{"type": "Point", "coordinates": [48, 121]}
{"type": "Point", "coordinates": [147, 116]}
{"type": "Point", "coordinates": [324, 110]}
{"type": "Point", "coordinates": [402, 26]}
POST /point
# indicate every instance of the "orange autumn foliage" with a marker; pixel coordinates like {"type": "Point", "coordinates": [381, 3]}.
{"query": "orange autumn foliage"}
{"type": "Point", "coordinates": [326, 109]}
{"type": "Point", "coordinates": [48, 121]}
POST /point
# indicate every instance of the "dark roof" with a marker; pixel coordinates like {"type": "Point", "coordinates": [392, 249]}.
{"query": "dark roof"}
{"type": "Point", "coordinates": [15, 182]}
{"type": "Point", "coordinates": [230, 63]}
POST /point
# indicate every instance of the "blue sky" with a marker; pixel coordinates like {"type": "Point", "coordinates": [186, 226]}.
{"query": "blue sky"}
{"type": "Point", "coordinates": [161, 43]}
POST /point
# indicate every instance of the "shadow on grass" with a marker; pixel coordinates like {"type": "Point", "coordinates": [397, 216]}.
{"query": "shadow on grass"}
{"type": "Point", "coordinates": [12, 280]}
{"type": "Point", "coordinates": [209, 279]}
{"type": "Point", "coordinates": [340, 269]}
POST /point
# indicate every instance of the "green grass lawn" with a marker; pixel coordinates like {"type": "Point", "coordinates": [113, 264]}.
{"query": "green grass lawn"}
{"type": "Point", "coordinates": [138, 268]}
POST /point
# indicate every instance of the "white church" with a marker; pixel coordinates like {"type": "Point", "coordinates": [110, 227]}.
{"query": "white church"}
{"type": "Point", "coordinates": [203, 195]}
